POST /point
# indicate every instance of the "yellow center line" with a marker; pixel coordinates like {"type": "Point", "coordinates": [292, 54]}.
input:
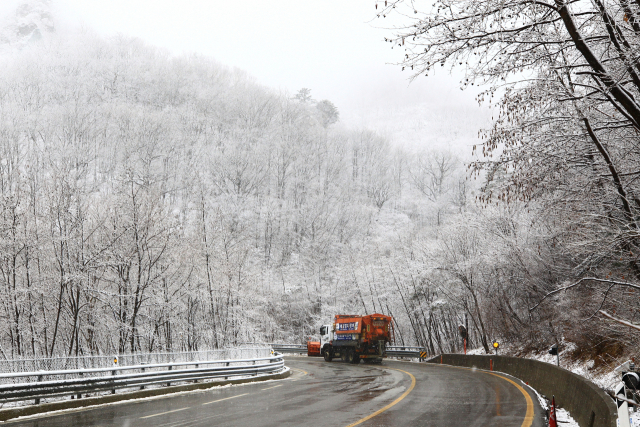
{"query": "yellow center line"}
{"type": "Point", "coordinates": [164, 413]}
{"type": "Point", "coordinates": [379, 411]}
{"type": "Point", "coordinates": [528, 417]}
{"type": "Point", "coordinates": [226, 398]}
{"type": "Point", "coordinates": [269, 388]}
{"type": "Point", "coordinates": [299, 370]}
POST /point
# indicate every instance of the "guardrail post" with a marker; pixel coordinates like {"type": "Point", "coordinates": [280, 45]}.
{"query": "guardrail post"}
{"type": "Point", "coordinates": [79, 395]}
{"type": "Point", "coordinates": [169, 383]}
{"type": "Point", "coordinates": [227, 377]}
{"type": "Point", "coordinates": [113, 373]}
{"type": "Point", "coordinates": [196, 381]}
{"type": "Point", "coordinates": [142, 387]}
{"type": "Point", "coordinates": [37, 399]}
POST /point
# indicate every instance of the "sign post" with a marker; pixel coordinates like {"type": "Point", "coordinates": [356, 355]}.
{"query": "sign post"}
{"type": "Point", "coordinates": [623, 406]}
{"type": "Point", "coordinates": [114, 372]}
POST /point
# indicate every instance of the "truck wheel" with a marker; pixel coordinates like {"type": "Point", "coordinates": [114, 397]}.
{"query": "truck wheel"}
{"type": "Point", "coordinates": [355, 358]}
{"type": "Point", "coordinates": [349, 355]}
{"type": "Point", "coordinates": [327, 355]}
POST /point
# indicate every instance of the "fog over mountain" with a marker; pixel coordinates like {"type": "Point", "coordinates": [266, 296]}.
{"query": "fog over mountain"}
{"type": "Point", "coordinates": [335, 49]}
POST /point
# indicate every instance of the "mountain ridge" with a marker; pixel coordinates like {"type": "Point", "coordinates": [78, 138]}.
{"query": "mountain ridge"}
{"type": "Point", "coordinates": [30, 21]}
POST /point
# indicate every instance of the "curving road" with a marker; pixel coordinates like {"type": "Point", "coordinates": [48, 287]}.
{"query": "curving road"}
{"type": "Point", "coordinates": [332, 394]}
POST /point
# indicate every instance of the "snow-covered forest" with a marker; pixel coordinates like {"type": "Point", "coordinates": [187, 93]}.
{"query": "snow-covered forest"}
{"type": "Point", "coordinates": [564, 148]}
{"type": "Point", "coordinates": [155, 202]}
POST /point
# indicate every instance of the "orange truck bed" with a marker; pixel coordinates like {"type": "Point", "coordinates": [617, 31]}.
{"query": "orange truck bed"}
{"type": "Point", "coordinates": [372, 327]}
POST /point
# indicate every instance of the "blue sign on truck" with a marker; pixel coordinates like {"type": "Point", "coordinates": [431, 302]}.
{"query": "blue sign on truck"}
{"type": "Point", "coordinates": [346, 337]}
{"type": "Point", "coordinates": [353, 326]}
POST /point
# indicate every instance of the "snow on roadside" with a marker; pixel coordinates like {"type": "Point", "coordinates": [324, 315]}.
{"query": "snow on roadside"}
{"type": "Point", "coordinates": [563, 416]}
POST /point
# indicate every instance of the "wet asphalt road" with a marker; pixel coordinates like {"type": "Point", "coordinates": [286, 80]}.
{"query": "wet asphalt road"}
{"type": "Point", "coordinates": [331, 394]}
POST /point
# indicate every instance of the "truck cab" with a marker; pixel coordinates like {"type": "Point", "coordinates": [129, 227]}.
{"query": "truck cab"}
{"type": "Point", "coordinates": [326, 337]}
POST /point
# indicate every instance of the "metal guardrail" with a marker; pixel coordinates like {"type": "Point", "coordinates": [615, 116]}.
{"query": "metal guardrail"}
{"type": "Point", "coordinates": [51, 384]}
{"type": "Point", "coordinates": [405, 348]}
{"type": "Point", "coordinates": [60, 363]}
{"type": "Point", "coordinates": [289, 348]}
{"type": "Point", "coordinates": [404, 351]}
{"type": "Point", "coordinates": [392, 351]}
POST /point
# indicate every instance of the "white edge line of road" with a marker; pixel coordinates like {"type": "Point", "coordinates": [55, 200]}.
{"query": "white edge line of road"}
{"type": "Point", "coordinates": [226, 398]}
{"type": "Point", "coordinates": [164, 413]}
{"type": "Point", "coordinates": [269, 388]}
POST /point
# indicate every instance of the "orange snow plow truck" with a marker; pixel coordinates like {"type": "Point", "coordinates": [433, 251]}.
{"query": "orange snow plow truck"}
{"type": "Point", "coordinates": [353, 337]}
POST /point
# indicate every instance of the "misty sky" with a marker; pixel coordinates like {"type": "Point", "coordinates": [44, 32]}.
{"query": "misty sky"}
{"type": "Point", "coordinates": [333, 47]}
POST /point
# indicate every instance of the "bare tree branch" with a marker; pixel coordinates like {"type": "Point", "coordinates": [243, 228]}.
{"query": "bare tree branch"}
{"type": "Point", "coordinates": [622, 322]}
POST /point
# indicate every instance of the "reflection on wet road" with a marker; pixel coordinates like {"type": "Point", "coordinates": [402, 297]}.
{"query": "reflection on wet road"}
{"type": "Point", "coordinates": [330, 394]}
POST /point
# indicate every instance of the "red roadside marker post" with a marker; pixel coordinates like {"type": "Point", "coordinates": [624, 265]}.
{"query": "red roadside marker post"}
{"type": "Point", "coordinates": [463, 334]}
{"type": "Point", "coordinates": [552, 413]}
